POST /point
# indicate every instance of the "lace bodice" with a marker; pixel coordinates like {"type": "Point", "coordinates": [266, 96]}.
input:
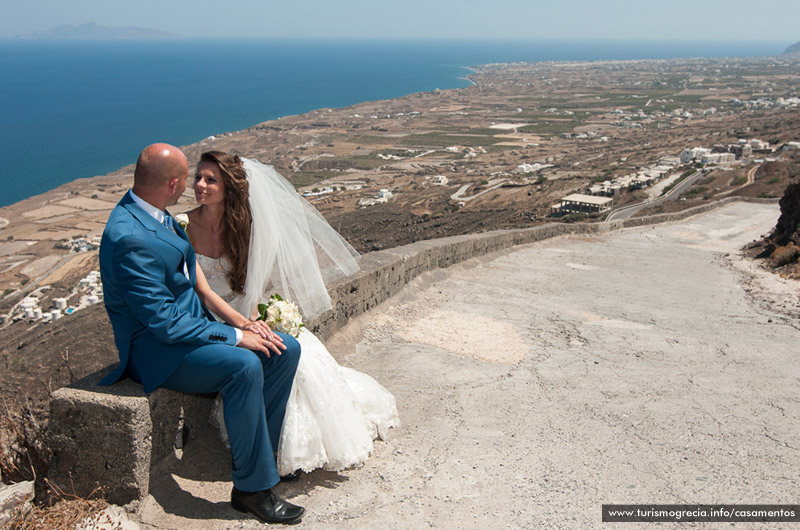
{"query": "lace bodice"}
{"type": "Point", "coordinates": [214, 269]}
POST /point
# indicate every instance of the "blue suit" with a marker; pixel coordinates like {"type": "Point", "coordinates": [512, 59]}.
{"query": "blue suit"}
{"type": "Point", "coordinates": [167, 338]}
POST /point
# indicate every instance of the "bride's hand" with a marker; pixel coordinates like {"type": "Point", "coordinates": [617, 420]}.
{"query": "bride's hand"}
{"type": "Point", "coordinates": [258, 327]}
{"type": "Point", "coordinates": [261, 328]}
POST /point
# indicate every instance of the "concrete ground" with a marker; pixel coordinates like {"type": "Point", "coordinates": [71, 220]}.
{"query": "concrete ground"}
{"type": "Point", "coordinates": [649, 365]}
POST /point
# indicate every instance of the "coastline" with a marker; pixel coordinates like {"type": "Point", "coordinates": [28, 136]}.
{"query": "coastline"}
{"type": "Point", "coordinates": [113, 176]}
{"type": "Point", "coordinates": [378, 70]}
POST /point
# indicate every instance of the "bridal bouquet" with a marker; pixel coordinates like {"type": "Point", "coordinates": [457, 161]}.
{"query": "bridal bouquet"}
{"type": "Point", "coordinates": [281, 315]}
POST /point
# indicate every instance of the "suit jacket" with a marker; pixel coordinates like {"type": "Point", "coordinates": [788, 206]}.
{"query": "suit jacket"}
{"type": "Point", "coordinates": [154, 310]}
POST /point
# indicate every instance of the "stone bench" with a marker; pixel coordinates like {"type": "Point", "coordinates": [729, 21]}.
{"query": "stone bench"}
{"type": "Point", "coordinates": [114, 436]}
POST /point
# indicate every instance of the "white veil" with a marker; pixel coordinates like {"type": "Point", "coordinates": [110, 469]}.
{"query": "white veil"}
{"type": "Point", "coordinates": [293, 250]}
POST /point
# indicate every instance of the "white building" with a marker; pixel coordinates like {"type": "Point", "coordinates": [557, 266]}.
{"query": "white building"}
{"type": "Point", "coordinates": [29, 301]}
{"type": "Point", "coordinates": [693, 153]}
{"type": "Point", "coordinates": [721, 159]}
{"type": "Point", "coordinates": [321, 191]}
{"type": "Point", "coordinates": [440, 180]}
{"type": "Point", "coordinates": [383, 196]}
{"type": "Point", "coordinates": [531, 168]}
{"type": "Point", "coordinates": [578, 202]}
{"type": "Point", "coordinates": [91, 280]}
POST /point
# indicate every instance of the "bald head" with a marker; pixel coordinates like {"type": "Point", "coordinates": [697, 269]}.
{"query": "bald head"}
{"type": "Point", "coordinates": [160, 174]}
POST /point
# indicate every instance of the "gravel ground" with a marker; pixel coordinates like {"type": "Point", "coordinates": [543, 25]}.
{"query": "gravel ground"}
{"type": "Point", "coordinates": [649, 365]}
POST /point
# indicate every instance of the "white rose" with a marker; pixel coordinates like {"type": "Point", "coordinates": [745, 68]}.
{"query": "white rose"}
{"type": "Point", "coordinates": [183, 220]}
{"type": "Point", "coordinates": [274, 312]}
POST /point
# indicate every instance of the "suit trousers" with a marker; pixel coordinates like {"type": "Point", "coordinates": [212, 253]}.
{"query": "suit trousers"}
{"type": "Point", "coordinates": [255, 390]}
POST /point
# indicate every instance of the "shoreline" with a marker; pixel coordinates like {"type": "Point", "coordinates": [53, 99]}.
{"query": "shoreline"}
{"type": "Point", "coordinates": [532, 133]}
{"type": "Point", "coordinates": [213, 137]}
{"type": "Point", "coordinates": [471, 68]}
{"type": "Point", "coordinates": [474, 70]}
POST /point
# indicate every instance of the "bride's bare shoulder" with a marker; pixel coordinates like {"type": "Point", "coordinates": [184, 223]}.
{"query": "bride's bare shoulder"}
{"type": "Point", "coordinates": [193, 214]}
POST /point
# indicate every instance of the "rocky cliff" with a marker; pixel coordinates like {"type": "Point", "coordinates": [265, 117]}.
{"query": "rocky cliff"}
{"type": "Point", "coordinates": [782, 247]}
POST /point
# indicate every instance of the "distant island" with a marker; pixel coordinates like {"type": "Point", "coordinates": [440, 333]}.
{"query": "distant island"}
{"type": "Point", "coordinates": [92, 31]}
{"type": "Point", "coordinates": [794, 48]}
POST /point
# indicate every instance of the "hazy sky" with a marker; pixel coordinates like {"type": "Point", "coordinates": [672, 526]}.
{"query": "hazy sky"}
{"type": "Point", "coordinates": [495, 19]}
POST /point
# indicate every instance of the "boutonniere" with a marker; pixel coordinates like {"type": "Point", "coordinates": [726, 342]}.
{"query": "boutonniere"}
{"type": "Point", "coordinates": [183, 221]}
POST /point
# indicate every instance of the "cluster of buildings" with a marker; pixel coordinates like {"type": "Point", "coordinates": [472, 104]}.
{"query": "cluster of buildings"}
{"type": "Point", "coordinates": [599, 197]}
{"type": "Point", "coordinates": [725, 154]}
{"type": "Point", "coordinates": [585, 136]}
{"type": "Point", "coordinates": [86, 244]}
{"type": "Point", "coordinates": [469, 152]}
{"type": "Point", "coordinates": [80, 244]}
{"type": "Point", "coordinates": [634, 181]}
{"type": "Point", "coordinates": [90, 291]}
{"type": "Point", "coordinates": [636, 119]}
{"type": "Point", "coordinates": [341, 185]}
{"type": "Point", "coordinates": [766, 103]}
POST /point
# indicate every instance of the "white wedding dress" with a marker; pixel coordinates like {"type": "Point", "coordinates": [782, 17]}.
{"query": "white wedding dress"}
{"type": "Point", "coordinates": [334, 413]}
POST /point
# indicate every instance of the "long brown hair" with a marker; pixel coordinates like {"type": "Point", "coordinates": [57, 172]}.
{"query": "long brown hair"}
{"type": "Point", "coordinates": [237, 216]}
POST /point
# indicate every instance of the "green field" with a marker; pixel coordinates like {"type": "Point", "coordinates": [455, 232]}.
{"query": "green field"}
{"type": "Point", "coordinates": [445, 140]}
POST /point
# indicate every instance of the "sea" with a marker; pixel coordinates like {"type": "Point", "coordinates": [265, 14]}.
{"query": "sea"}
{"type": "Point", "coordinates": [73, 109]}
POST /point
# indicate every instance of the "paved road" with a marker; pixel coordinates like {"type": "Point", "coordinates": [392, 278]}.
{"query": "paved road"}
{"type": "Point", "coordinates": [536, 385]}
{"type": "Point", "coordinates": [458, 195]}
{"type": "Point", "coordinates": [629, 211]}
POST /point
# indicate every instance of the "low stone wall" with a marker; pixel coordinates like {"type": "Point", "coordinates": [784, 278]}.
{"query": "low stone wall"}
{"type": "Point", "coordinates": [384, 273]}
{"type": "Point", "coordinates": [113, 436]}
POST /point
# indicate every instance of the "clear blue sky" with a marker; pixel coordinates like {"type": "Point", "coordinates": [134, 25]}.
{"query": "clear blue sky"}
{"type": "Point", "coordinates": [777, 21]}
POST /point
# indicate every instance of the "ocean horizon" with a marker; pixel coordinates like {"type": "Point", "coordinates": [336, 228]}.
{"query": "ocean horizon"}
{"type": "Point", "coordinates": [75, 109]}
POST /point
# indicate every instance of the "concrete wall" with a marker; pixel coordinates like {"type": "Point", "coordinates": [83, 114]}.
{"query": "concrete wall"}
{"type": "Point", "coordinates": [114, 436]}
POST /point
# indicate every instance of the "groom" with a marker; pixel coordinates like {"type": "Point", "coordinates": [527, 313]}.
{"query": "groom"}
{"type": "Point", "coordinates": [167, 338]}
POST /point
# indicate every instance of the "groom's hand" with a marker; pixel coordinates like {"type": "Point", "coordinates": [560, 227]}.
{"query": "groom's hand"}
{"type": "Point", "coordinates": [255, 342]}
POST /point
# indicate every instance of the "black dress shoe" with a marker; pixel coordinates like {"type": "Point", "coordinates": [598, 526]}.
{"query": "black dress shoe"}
{"type": "Point", "coordinates": [267, 506]}
{"type": "Point", "coordinates": [292, 477]}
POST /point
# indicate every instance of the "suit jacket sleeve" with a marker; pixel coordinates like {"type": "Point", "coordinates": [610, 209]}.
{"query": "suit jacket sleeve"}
{"type": "Point", "coordinates": [142, 271]}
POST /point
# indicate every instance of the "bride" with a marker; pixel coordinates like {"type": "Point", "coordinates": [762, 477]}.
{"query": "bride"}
{"type": "Point", "coordinates": [255, 236]}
